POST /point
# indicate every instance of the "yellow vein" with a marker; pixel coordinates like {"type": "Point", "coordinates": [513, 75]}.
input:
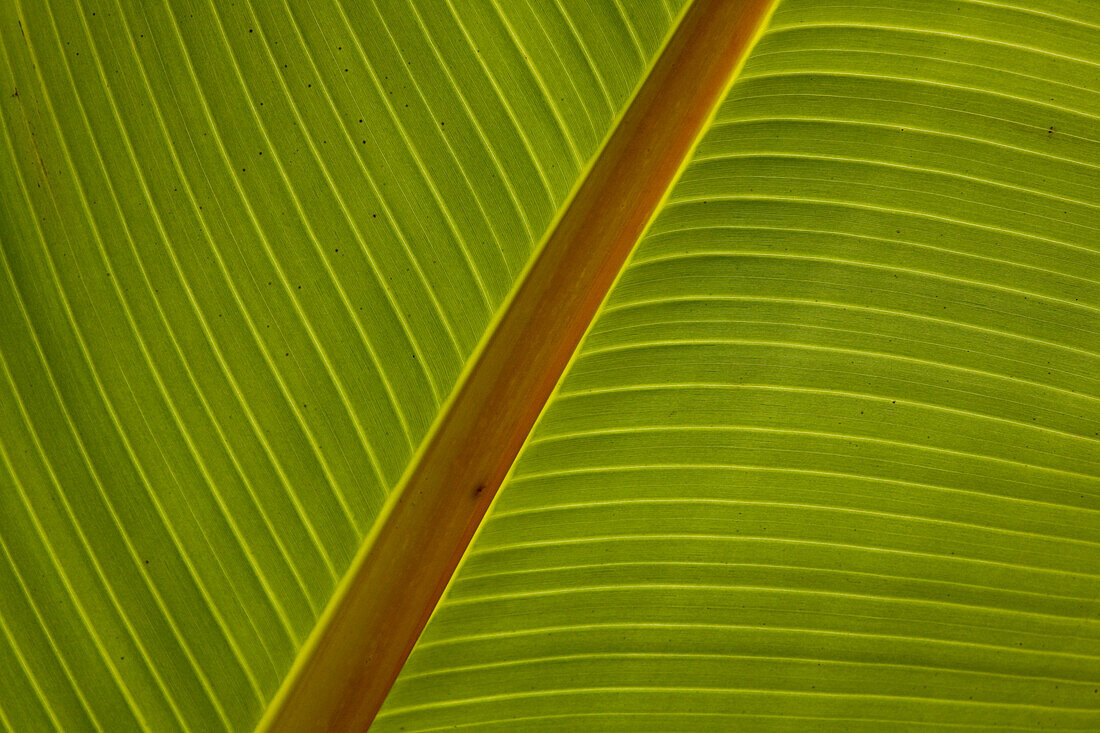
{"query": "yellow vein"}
{"type": "Point", "coordinates": [43, 700]}
{"type": "Point", "coordinates": [468, 578]}
{"type": "Point", "coordinates": [136, 331]}
{"type": "Point", "coordinates": [360, 239]}
{"type": "Point", "coordinates": [313, 443]}
{"type": "Point", "coordinates": [932, 83]}
{"type": "Point", "coordinates": [566, 133]}
{"type": "Point", "coordinates": [789, 590]}
{"type": "Point", "coordinates": [690, 656]}
{"type": "Point", "coordinates": [131, 453]}
{"type": "Point", "coordinates": [33, 603]}
{"type": "Point", "coordinates": [632, 31]}
{"type": "Point", "coordinates": [414, 151]}
{"type": "Point", "coordinates": [116, 423]}
{"type": "Point", "coordinates": [843, 635]}
{"type": "Point", "coordinates": [491, 223]}
{"type": "Point", "coordinates": [90, 466]}
{"type": "Point", "coordinates": [210, 339]}
{"type": "Point", "coordinates": [629, 346]}
{"type": "Point", "coordinates": [344, 299]}
{"type": "Point", "coordinates": [93, 558]}
{"type": "Point", "coordinates": [558, 56]}
{"type": "Point", "coordinates": [671, 232]}
{"type": "Point", "coordinates": [704, 467]}
{"type": "Point", "coordinates": [800, 325]}
{"type": "Point", "coordinates": [643, 303]}
{"type": "Point", "coordinates": [890, 164]}
{"type": "Point", "coordinates": [527, 145]}
{"type": "Point", "coordinates": [894, 127]}
{"type": "Point", "coordinates": [891, 210]}
{"type": "Point", "coordinates": [178, 271]}
{"type": "Point", "coordinates": [473, 119]}
{"type": "Point", "coordinates": [943, 34]}
{"type": "Point", "coordinates": [390, 220]}
{"type": "Point", "coordinates": [903, 102]}
{"type": "Point", "coordinates": [649, 690]}
{"type": "Point", "coordinates": [922, 721]}
{"type": "Point", "coordinates": [919, 193]}
{"type": "Point", "coordinates": [81, 612]}
{"type": "Point", "coordinates": [680, 537]}
{"type": "Point", "coordinates": [592, 66]}
{"type": "Point", "coordinates": [64, 578]}
{"type": "Point", "coordinates": [935, 59]}
{"type": "Point", "coordinates": [858, 395]}
{"type": "Point", "coordinates": [1033, 11]}
{"type": "Point", "coordinates": [786, 505]}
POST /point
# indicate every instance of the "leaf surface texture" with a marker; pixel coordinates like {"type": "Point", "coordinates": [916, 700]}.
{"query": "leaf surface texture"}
{"type": "Point", "coordinates": [827, 458]}
{"type": "Point", "coordinates": [246, 250]}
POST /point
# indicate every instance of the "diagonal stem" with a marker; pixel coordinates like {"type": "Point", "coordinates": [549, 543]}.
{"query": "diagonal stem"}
{"type": "Point", "coordinates": [346, 669]}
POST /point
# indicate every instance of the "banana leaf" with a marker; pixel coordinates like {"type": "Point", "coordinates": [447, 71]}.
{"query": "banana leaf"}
{"type": "Point", "coordinates": [825, 459]}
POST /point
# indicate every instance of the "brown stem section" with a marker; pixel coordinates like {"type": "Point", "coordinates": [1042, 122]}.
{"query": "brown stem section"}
{"type": "Point", "coordinates": [398, 581]}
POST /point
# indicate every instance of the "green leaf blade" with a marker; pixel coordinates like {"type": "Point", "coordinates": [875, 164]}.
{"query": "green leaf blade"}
{"type": "Point", "coordinates": [245, 254]}
{"type": "Point", "coordinates": [827, 456]}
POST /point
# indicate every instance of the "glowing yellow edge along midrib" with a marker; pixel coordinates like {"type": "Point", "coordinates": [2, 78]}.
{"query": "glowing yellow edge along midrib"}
{"type": "Point", "coordinates": [307, 649]}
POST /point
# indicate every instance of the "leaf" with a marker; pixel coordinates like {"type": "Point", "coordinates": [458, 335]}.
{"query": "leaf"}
{"type": "Point", "coordinates": [247, 251]}
{"type": "Point", "coordinates": [346, 668]}
{"type": "Point", "coordinates": [826, 458]}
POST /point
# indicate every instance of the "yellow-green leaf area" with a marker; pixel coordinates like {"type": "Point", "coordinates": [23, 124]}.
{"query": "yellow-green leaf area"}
{"type": "Point", "coordinates": [246, 250]}
{"type": "Point", "coordinates": [828, 456]}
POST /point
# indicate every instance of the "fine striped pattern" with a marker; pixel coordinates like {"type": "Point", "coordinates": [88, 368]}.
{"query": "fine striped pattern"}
{"type": "Point", "coordinates": [828, 457]}
{"type": "Point", "coordinates": [246, 250]}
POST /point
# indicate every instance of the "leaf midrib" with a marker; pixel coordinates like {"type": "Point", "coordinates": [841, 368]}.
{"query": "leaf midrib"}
{"type": "Point", "coordinates": [345, 669]}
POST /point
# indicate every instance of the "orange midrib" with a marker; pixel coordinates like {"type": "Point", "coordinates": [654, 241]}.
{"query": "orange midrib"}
{"type": "Point", "coordinates": [395, 583]}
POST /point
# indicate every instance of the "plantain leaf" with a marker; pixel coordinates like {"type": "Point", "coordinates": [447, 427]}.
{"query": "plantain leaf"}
{"type": "Point", "coordinates": [246, 250]}
{"type": "Point", "coordinates": [827, 458]}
